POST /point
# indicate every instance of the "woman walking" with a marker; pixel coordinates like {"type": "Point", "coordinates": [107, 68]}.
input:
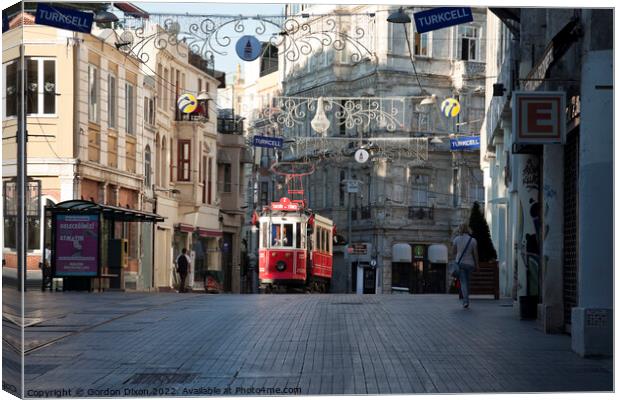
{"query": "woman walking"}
{"type": "Point", "coordinates": [465, 249]}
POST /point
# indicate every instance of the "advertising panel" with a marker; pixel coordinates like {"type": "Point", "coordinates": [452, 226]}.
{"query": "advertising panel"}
{"type": "Point", "coordinates": [76, 251]}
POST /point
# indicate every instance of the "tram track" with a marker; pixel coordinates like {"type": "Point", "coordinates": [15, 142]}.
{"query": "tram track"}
{"type": "Point", "coordinates": [99, 324]}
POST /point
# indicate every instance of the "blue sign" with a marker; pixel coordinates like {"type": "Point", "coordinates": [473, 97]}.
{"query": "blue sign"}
{"type": "Point", "coordinates": [63, 18]}
{"type": "Point", "coordinates": [442, 17]}
{"type": "Point", "coordinates": [465, 143]}
{"type": "Point", "coordinates": [267, 141]}
{"type": "Point", "coordinates": [248, 48]}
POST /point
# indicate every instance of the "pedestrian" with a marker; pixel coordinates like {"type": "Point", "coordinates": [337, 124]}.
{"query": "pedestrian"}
{"type": "Point", "coordinates": [183, 268]}
{"type": "Point", "coordinates": [465, 249]}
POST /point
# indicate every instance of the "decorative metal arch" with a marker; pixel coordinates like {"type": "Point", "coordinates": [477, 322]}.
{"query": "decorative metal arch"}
{"type": "Point", "coordinates": [387, 112]}
{"type": "Point", "coordinates": [205, 35]}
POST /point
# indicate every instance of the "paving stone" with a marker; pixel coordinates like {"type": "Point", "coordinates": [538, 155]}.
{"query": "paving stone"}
{"type": "Point", "coordinates": [322, 344]}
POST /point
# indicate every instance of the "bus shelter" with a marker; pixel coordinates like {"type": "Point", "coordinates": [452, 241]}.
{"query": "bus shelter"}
{"type": "Point", "coordinates": [85, 251]}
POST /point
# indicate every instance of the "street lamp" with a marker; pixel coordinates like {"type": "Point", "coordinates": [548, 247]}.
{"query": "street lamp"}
{"type": "Point", "coordinates": [399, 17]}
{"type": "Point", "coordinates": [105, 17]}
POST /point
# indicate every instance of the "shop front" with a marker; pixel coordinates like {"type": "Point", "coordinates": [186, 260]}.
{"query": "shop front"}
{"type": "Point", "coordinates": [419, 268]}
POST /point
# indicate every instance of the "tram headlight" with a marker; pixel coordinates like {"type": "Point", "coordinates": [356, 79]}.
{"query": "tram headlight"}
{"type": "Point", "coordinates": [280, 266]}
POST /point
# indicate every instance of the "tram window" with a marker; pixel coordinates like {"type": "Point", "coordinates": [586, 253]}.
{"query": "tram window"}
{"type": "Point", "coordinates": [275, 235]}
{"type": "Point", "coordinates": [330, 241]}
{"type": "Point", "coordinates": [287, 235]}
{"type": "Point", "coordinates": [298, 236]}
{"type": "Point", "coordinates": [325, 243]}
{"type": "Point", "coordinates": [264, 240]}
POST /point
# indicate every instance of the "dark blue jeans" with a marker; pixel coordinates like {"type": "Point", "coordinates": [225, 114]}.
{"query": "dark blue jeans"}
{"type": "Point", "coordinates": [465, 271]}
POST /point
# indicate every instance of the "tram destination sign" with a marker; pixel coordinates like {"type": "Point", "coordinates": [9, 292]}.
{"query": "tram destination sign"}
{"type": "Point", "coordinates": [63, 18]}
{"type": "Point", "coordinates": [441, 17]}
{"type": "Point", "coordinates": [268, 142]}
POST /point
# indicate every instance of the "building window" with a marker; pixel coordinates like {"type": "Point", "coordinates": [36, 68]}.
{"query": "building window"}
{"type": "Point", "coordinates": [227, 178]}
{"type": "Point", "coordinates": [210, 181]}
{"type": "Point", "coordinates": [165, 88]}
{"type": "Point", "coordinates": [130, 154]}
{"type": "Point", "coordinates": [419, 190]}
{"type": "Point", "coordinates": [10, 89]}
{"type": "Point", "coordinates": [469, 43]}
{"type": "Point", "coordinates": [149, 110]}
{"type": "Point", "coordinates": [184, 160]}
{"type": "Point", "coordinates": [40, 86]}
{"type": "Point", "coordinates": [130, 109]}
{"type": "Point", "coordinates": [205, 181]}
{"type": "Point", "coordinates": [112, 150]}
{"type": "Point", "coordinates": [421, 44]}
{"type": "Point", "coordinates": [147, 167]}
{"type": "Point", "coordinates": [396, 40]}
{"type": "Point", "coordinates": [112, 101]}
{"type": "Point", "coordinates": [93, 93]}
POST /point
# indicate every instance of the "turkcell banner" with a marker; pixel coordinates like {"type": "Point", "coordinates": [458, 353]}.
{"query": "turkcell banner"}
{"type": "Point", "coordinates": [441, 17]}
{"type": "Point", "coordinates": [63, 18]}
{"type": "Point", "coordinates": [465, 143]}
{"type": "Point", "coordinates": [267, 141]}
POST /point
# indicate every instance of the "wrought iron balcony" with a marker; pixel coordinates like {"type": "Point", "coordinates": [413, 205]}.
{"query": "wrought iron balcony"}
{"type": "Point", "coordinates": [420, 212]}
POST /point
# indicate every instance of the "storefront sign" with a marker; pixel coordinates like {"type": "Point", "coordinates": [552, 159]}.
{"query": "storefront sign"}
{"type": "Point", "coordinates": [465, 143]}
{"type": "Point", "coordinates": [418, 251]}
{"type": "Point", "coordinates": [358, 249]}
{"type": "Point", "coordinates": [268, 142]}
{"type": "Point", "coordinates": [539, 117]}
{"type": "Point", "coordinates": [63, 18]}
{"type": "Point", "coordinates": [77, 245]}
{"type": "Point", "coordinates": [441, 17]}
{"type": "Point", "coordinates": [187, 103]}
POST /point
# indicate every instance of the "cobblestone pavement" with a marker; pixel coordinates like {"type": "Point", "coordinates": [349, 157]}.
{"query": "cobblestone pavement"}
{"type": "Point", "coordinates": [194, 344]}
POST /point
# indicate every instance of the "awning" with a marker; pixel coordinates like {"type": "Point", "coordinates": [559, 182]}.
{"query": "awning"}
{"type": "Point", "coordinates": [202, 232]}
{"type": "Point", "coordinates": [401, 252]}
{"type": "Point", "coordinates": [184, 227]}
{"type": "Point", "coordinates": [109, 212]}
{"type": "Point", "coordinates": [438, 253]}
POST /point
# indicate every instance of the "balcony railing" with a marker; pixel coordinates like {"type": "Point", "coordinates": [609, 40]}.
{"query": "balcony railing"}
{"type": "Point", "coordinates": [420, 212]}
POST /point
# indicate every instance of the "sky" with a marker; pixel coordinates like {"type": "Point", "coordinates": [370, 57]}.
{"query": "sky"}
{"type": "Point", "coordinates": [226, 63]}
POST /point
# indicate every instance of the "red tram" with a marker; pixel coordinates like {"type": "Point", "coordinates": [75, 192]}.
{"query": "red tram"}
{"type": "Point", "coordinates": [295, 248]}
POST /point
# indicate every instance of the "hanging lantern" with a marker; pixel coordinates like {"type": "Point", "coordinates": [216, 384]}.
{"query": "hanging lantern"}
{"type": "Point", "coordinates": [320, 123]}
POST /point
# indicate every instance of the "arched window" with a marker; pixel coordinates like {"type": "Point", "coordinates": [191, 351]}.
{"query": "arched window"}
{"type": "Point", "coordinates": [147, 166]}
{"type": "Point", "coordinates": [162, 166]}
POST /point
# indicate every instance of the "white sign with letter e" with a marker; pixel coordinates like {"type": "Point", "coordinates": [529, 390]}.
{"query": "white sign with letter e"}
{"type": "Point", "coordinates": [539, 117]}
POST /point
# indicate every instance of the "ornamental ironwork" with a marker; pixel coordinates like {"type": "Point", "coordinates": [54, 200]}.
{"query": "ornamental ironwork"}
{"type": "Point", "coordinates": [384, 112]}
{"type": "Point", "coordinates": [210, 35]}
{"type": "Point", "coordinates": [412, 151]}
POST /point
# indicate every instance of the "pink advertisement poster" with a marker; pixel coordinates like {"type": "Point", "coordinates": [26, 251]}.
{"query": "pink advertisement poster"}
{"type": "Point", "coordinates": [77, 245]}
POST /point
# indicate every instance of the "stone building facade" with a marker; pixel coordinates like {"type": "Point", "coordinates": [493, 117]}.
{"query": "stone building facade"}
{"type": "Point", "coordinates": [400, 202]}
